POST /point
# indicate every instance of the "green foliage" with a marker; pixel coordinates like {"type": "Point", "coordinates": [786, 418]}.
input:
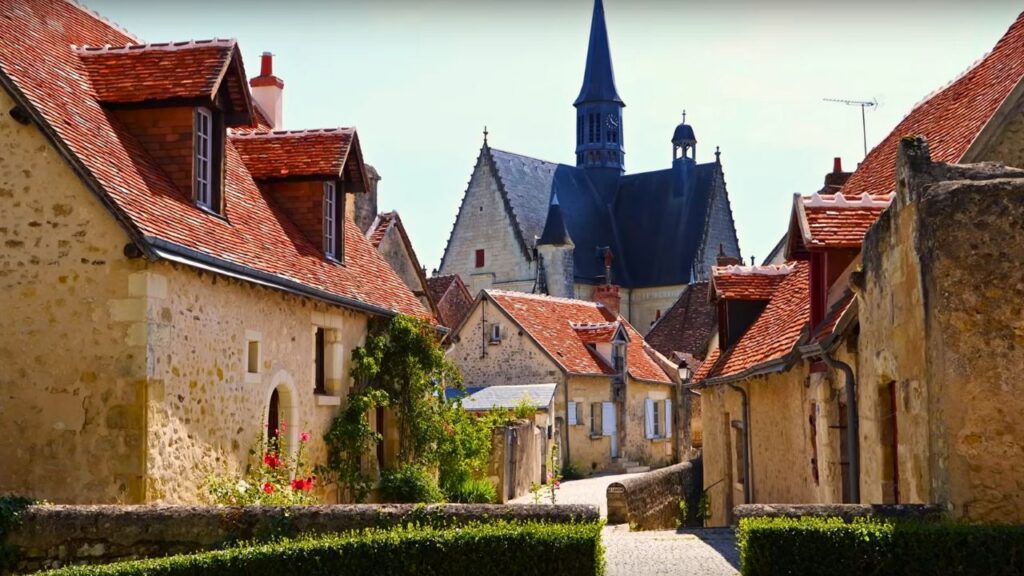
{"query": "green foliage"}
{"type": "Point", "coordinates": [409, 483]}
{"type": "Point", "coordinates": [682, 513]}
{"type": "Point", "coordinates": [405, 360]}
{"type": "Point", "coordinates": [273, 477]}
{"type": "Point", "coordinates": [571, 472]}
{"type": "Point", "coordinates": [348, 440]}
{"type": "Point", "coordinates": [809, 546]}
{"type": "Point", "coordinates": [473, 491]}
{"type": "Point", "coordinates": [11, 508]}
{"type": "Point", "coordinates": [463, 451]}
{"type": "Point", "coordinates": [511, 549]}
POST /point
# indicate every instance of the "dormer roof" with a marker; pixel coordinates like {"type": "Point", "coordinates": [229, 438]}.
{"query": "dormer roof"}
{"type": "Point", "coordinates": [289, 154]}
{"type": "Point", "coordinates": [831, 221]}
{"type": "Point", "coordinates": [750, 283]}
{"type": "Point", "coordinates": [193, 71]}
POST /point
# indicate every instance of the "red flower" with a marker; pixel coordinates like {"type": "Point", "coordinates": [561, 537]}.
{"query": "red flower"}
{"type": "Point", "coordinates": [268, 488]}
{"type": "Point", "coordinates": [304, 485]}
{"type": "Point", "coordinates": [272, 460]}
{"type": "Point", "coordinates": [304, 437]}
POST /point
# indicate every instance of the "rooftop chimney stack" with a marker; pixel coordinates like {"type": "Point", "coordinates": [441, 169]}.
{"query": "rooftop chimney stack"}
{"type": "Point", "coordinates": [835, 179]}
{"type": "Point", "coordinates": [267, 91]}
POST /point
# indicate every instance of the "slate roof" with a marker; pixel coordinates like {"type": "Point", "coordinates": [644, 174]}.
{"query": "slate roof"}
{"type": "Point", "coordinates": [951, 118]}
{"type": "Point", "coordinates": [598, 77]}
{"type": "Point", "coordinates": [507, 397]}
{"type": "Point", "coordinates": [256, 241]}
{"type": "Point", "coordinates": [687, 326]}
{"type": "Point", "coordinates": [654, 224]}
{"type": "Point", "coordinates": [755, 283]}
{"type": "Point", "coordinates": [550, 323]}
{"type": "Point", "coordinates": [772, 336]}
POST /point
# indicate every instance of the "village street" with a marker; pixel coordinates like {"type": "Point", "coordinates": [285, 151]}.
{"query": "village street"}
{"type": "Point", "coordinates": [701, 552]}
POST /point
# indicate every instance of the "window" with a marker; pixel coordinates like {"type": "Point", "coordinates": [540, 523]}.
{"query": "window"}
{"type": "Point", "coordinates": [595, 419]}
{"type": "Point", "coordinates": [334, 218]}
{"type": "Point", "coordinates": [619, 356]}
{"type": "Point", "coordinates": [574, 419]}
{"type": "Point", "coordinates": [203, 165]}
{"type": "Point", "coordinates": [480, 258]}
{"type": "Point", "coordinates": [253, 357]}
{"type": "Point", "coordinates": [658, 418]}
{"type": "Point", "coordinates": [495, 333]}
{"type": "Point", "coordinates": [319, 355]}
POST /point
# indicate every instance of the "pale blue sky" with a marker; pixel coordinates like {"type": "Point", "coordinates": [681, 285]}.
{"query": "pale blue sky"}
{"type": "Point", "coordinates": [421, 79]}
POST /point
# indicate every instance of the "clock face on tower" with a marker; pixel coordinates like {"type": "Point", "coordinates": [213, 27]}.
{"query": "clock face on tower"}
{"type": "Point", "coordinates": [611, 121]}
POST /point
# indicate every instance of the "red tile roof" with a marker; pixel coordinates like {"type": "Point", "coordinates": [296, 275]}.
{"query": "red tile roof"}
{"type": "Point", "coordinates": [687, 326]}
{"type": "Point", "coordinates": [773, 335]}
{"type": "Point", "coordinates": [835, 220]}
{"type": "Point", "coordinates": [44, 72]}
{"type": "Point", "coordinates": [952, 118]}
{"type": "Point", "coordinates": [747, 282]}
{"type": "Point", "coordinates": [380, 227]}
{"type": "Point", "coordinates": [451, 297]}
{"type": "Point", "coordinates": [141, 72]}
{"type": "Point", "coordinates": [550, 322]}
{"type": "Point", "coordinates": [295, 153]}
{"type": "Point", "coordinates": [596, 332]}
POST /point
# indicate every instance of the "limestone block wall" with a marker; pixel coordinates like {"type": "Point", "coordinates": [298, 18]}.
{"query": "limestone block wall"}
{"type": "Point", "coordinates": [588, 452]}
{"type": "Point", "coordinates": [655, 452]}
{"type": "Point", "coordinates": [645, 303]}
{"type": "Point", "coordinates": [516, 359]}
{"type": "Point", "coordinates": [72, 382]}
{"type": "Point", "coordinates": [483, 224]}
{"type": "Point", "coordinates": [393, 249]}
{"type": "Point", "coordinates": [205, 409]}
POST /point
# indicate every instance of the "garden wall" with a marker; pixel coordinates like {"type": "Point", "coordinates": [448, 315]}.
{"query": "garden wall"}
{"type": "Point", "coordinates": [651, 501]}
{"type": "Point", "coordinates": [517, 457]}
{"type": "Point", "coordinates": [845, 511]}
{"type": "Point", "coordinates": [52, 536]}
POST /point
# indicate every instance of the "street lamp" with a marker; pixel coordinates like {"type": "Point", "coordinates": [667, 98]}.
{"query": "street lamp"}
{"type": "Point", "coordinates": [684, 372]}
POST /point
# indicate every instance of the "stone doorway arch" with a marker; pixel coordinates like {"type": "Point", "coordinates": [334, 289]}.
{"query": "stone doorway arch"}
{"type": "Point", "coordinates": [281, 407]}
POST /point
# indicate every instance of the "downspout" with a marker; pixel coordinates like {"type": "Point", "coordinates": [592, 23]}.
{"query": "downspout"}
{"type": "Point", "coordinates": [565, 421]}
{"type": "Point", "coordinates": [748, 479]}
{"type": "Point", "coordinates": [852, 424]}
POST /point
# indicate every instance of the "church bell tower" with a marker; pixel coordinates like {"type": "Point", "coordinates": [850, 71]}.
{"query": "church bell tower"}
{"type": "Point", "coordinates": [598, 107]}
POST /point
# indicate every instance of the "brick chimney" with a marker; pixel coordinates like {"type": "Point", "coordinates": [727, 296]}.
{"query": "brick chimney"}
{"type": "Point", "coordinates": [608, 293]}
{"type": "Point", "coordinates": [834, 180]}
{"type": "Point", "coordinates": [724, 260]}
{"type": "Point", "coordinates": [267, 91]}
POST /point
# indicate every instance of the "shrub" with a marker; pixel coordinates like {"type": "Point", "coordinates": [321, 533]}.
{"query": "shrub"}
{"type": "Point", "coordinates": [473, 491]}
{"type": "Point", "coordinates": [496, 548]}
{"type": "Point", "coordinates": [572, 472]}
{"type": "Point", "coordinates": [809, 546]}
{"type": "Point", "coordinates": [11, 508]}
{"type": "Point", "coordinates": [273, 477]}
{"type": "Point", "coordinates": [409, 483]}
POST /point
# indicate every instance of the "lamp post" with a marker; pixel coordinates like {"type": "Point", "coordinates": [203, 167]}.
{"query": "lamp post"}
{"type": "Point", "coordinates": [684, 372]}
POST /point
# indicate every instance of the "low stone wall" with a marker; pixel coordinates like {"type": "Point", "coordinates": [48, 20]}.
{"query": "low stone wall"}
{"type": "Point", "coordinates": [847, 512]}
{"type": "Point", "coordinates": [651, 501]}
{"type": "Point", "coordinates": [53, 536]}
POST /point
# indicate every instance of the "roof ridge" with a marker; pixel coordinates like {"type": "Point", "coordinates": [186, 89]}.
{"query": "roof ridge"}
{"type": "Point", "coordinates": [87, 50]}
{"type": "Point", "coordinates": [530, 157]}
{"type": "Point", "coordinates": [761, 270]}
{"type": "Point", "coordinates": [284, 133]}
{"type": "Point", "coordinates": [97, 16]}
{"type": "Point", "coordinates": [514, 294]}
{"type": "Point", "coordinates": [588, 325]}
{"type": "Point", "coordinates": [838, 200]}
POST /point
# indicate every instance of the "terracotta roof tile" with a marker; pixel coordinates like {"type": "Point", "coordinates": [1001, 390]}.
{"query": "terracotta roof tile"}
{"type": "Point", "coordinates": [595, 332]}
{"type": "Point", "coordinates": [687, 326]}
{"type": "Point", "coordinates": [951, 118]}
{"type": "Point", "coordinates": [380, 227]}
{"type": "Point", "coordinates": [451, 297]}
{"type": "Point", "coordinates": [835, 314]}
{"type": "Point", "coordinates": [747, 282]}
{"type": "Point", "coordinates": [550, 322]}
{"type": "Point", "coordinates": [296, 153]}
{"type": "Point", "coordinates": [36, 56]}
{"type": "Point", "coordinates": [775, 332]}
{"type": "Point", "coordinates": [140, 72]}
{"type": "Point", "coordinates": [837, 221]}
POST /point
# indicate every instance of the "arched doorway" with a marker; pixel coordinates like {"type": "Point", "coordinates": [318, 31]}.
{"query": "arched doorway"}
{"type": "Point", "coordinates": [281, 418]}
{"type": "Point", "coordinates": [274, 415]}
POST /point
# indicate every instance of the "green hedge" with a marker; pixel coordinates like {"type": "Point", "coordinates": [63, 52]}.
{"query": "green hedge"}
{"type": "Point", "coordinates": [809, 546]}
{"type": "Point", "coordinates": [494, 548]}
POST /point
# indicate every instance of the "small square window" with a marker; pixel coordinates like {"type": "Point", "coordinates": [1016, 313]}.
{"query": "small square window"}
{"type": "Point", "coordinates": [480, 258]}
{"type": "Point", "coordinates": [253, 359]}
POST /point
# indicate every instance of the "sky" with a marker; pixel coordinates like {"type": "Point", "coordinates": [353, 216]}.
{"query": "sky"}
{"type": "Point", "coordinates": [420, 80]}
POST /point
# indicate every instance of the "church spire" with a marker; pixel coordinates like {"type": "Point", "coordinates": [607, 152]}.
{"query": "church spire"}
{"type": "Point", "coordinates": [598, 107]}
{"type": "Point", "coordinates": [598, 77]}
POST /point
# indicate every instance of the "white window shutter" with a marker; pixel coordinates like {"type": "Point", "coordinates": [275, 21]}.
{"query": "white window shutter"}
{"type": "Point", "coordinates": [668, 418]}
{"type": "Point", "coordinates": [572, 414]}
{"type": "Point", "coordinates": [649, 418]}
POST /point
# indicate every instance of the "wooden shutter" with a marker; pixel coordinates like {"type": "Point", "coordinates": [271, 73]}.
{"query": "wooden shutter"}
{"type": "Point", "coordinates": [573, 418]}
{"type": "Point", "coordinates": [649, 418]}
{"type": "Point", "coordinates": [668, 418]}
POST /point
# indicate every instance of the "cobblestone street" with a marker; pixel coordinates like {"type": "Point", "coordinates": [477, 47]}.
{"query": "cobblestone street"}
{"type": "Point", "coordinates": [706, 552]}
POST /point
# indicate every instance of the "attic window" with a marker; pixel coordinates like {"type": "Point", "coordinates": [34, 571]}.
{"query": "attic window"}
{"type": "Point", "coordinates": [334, 218]}
{"type": "Point", "coordinates": [204, 158]}
{"type": "Point", "coordinates": [618, 356]}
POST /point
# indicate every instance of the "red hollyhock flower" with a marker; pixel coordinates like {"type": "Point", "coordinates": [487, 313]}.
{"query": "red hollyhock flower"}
{"type": "Point", "coordinates": [298, 484]}
{"type": "Point", "coordinates": [304, 437]}
{"type": "Point", "coordinates": [268, 488]}
{"type": "Point", "coordinates": [272, 460]}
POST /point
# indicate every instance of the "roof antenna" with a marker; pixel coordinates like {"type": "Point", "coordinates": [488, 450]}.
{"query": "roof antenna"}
{"type": "Point", "coordinates": [864, 105]}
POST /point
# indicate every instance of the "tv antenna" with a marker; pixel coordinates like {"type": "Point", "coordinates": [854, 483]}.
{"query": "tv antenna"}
{"type": "Point", "coordinates": [864, 105]}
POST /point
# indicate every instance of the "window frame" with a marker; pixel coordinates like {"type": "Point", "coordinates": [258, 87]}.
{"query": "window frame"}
{"type": "Point", "coordinates": [202, 157]}
{"type": "Point", "coordinates": [320, 361]}
{"type": "Point", "coordinates": [596, 419]}
{"type": "Point", "coordinates": [334, 220]}
{"type": "Point", "coordinates": [480, 258]}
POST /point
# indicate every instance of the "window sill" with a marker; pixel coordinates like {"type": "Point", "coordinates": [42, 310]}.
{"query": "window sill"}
{"type": "Point", "coordinates": [327, 400]}
{"type": "Point", "coordinates": [333, 260]}
{"type": "Point", "coordinates": [253, 377]}
{"type": "Point", "coordinates": [659, 439]}
{"type": "Point", "coordinates": [597, 436]}
{"type": "Point", "coordinates": [212, 212]}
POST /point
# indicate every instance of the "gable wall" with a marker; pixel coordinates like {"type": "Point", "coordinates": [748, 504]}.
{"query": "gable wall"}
{"type": "Point", "coordinates": [483, 222]}
{"type": "Point", "coordinates": [392, 248]}
{"type": "Point", "coordinates": [719, 229]}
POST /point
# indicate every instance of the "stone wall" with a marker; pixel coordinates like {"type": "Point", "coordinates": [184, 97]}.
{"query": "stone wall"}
{"type": "Point", "coordinates": [72, 383]}
{"type": "Point", "coordinates": [845, 511]}
{"type": "Point", "coordinates": [52, 536]}
{"type": "Point", "coordinates": [946, 259]}
{"type": "Point", "coordinates": [518, 454]}
{"type": "Point", "coordinates": [483, 224]}
{"type": "Point", "coordinates": [651, 501]}
{"type": "Point", "coordinates": [394, 251]}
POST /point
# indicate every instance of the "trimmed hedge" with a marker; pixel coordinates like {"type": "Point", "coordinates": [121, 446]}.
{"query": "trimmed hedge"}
{"type": "Point", "coordinates": [809, 546]}
{"type": "Point", "coordinates": [496, 548]}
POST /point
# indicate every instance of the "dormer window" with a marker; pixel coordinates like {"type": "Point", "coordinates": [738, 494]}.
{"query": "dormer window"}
{"type": "Point", "coordinates": [618, 356]}
{"type": "Point", "coordinates": [204, 158]}
{"type": "Point", "coordinates": [334, 218]}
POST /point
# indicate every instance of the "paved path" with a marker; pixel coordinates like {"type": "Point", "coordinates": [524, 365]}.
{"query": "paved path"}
{"type": "Point", "coordinates": [707, 552]}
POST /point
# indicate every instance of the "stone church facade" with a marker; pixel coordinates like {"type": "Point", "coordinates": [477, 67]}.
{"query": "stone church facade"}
{"type": "Point", "coordinates": [591, 231]}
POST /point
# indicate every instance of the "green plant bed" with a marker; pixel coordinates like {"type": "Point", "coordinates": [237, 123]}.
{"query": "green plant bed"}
{"type": "Point", "coordinates": [410, 484]}
{"type": "Point", "coordinates": [809, 546]}
{"type": "Point", "coordinates": [495, 548]}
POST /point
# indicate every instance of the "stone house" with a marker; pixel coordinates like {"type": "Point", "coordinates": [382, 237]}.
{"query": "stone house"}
{"type": "Point", "coordinates": [388, 236]}
{"type": "Point", "coordinates": [452, 298]}
{"type": "Point", "coordinates": [176, 278]}
{"type": "Point", "coordinates": [614, 402]}
{"type": "Point", "coordinates": [846, 380]}
{"type": "Point", "coordinates": [640, 238]}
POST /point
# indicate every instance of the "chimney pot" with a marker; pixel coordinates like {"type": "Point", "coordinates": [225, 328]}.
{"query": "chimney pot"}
{"type": "Point", "coordinates": [837, 165]}
{"type": "Point", "coordinates": [267, 64]}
